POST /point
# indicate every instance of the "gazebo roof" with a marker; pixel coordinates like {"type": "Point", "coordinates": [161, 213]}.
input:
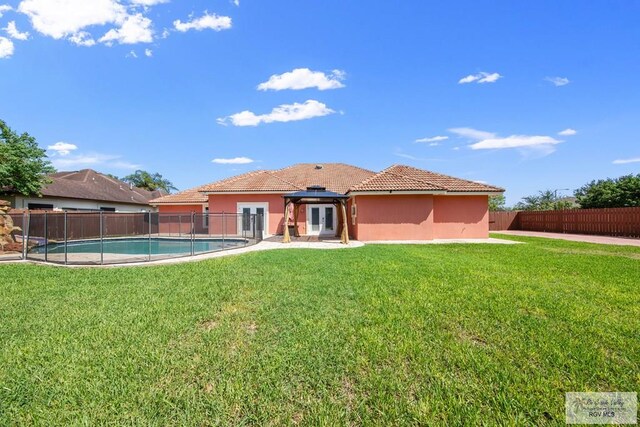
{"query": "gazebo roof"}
{"type": "Point", "coordinates": [315, 194]}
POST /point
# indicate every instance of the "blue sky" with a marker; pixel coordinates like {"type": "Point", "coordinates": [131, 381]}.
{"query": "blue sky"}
{"type": "Point", "coordinates": [169, 86]}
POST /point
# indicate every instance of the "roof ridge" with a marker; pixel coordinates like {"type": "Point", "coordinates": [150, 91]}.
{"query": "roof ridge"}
{"type": "Point", "coordinates": [447, 176]}
{"type": "Point", "coordinates": [232, 178]}
{"type": "Point", "coordinates": [273, 173]}
{"type": "Point", "coordinates": [387, 171]}
{"type": "Point", "coordinates": [416, 179]}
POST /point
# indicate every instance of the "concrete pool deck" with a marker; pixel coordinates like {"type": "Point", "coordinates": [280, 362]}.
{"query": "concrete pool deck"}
{"type": "Point", "coordinates": [265, 245]}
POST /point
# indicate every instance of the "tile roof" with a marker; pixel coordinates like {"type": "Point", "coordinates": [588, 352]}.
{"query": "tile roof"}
{"type": "Point", "coordinates": [88, 184]}
{"type": "Point", "coordinates": [338, 177]}
{"type": "Point", "coordinates": [192, 195]}
{"type": "Point", "coordinates": [407, 178]}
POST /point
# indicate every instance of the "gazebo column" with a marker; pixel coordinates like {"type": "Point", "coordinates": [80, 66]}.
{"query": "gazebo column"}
{"type": "Point", "coordinates": [345, 224]}
{"type": "Point", "coordinates": [296, 212]}
{"type": "Point", "coordinates": [286, 238]}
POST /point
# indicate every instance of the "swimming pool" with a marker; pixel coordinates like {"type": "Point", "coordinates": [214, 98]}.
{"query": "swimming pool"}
{"type": "Point", "coordinates": [141, 246]}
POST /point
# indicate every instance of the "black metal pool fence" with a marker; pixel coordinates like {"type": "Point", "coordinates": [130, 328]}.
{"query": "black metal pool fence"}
{"type": "Point", "coordinates": [115, 238]}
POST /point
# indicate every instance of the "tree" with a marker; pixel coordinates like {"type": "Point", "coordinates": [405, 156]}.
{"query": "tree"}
{"type": "Point", "coordinates": [610, 193]}
{"type": "Point", "coordinates": [23, 165]}
{"type": "Point", "coordinates": [544, 201]}
{"type": "Point", "coordinates": [497, 203]}
{"type": "Point", "coordinates": [148, 181]}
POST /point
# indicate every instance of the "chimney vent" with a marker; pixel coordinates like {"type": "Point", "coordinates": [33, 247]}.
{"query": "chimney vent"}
{"type": "Point", "coordinates": [319, 166]}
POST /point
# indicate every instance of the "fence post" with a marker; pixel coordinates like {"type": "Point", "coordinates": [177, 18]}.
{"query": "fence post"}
{"type": "Point", "coordinates": [46, 238]}
{"type": "Point", "coordinates": [26, 223]}
{"type": "Point", "coordinates": [65, 238]}
{"type": "Point", "coordinates": [193, 229]}
{"type": "Point", "coordinates": [101, 239]}
{"type": "Point", "coordinates": [149, 241]}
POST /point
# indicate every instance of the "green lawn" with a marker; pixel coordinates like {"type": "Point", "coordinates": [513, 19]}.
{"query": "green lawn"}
{"type": "Point", "coordinates": [387, 335]}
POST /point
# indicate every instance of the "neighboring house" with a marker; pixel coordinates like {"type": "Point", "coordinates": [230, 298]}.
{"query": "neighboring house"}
{"type": "Point", "coordinates": [87, 190]}
{"type": "Point", "coordinates": [399, 203]}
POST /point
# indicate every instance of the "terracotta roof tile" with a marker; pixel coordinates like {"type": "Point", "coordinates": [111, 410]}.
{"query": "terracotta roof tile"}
{"type": "Point", "coordinates": [192, 195]}
{"type": "Point", "coordinates": [449, 183]}
{"type": "Point", "coordinates": [336, 177]}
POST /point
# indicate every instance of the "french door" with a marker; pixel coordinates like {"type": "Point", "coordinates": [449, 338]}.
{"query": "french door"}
{"type": "Point", "coordinates": [250, 213]}
{"type": "Point", "coordinates": [321, 220]}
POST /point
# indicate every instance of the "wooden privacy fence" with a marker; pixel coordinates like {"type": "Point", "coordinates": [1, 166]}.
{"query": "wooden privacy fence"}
{"type": "Point", "coordinates": [503, 221]}
{"type": "Point", "coordinates": [608, 222]}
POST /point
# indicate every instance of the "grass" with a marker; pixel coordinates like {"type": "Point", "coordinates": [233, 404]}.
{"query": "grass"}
{"type": "Point", "coordinates": [382, 335]}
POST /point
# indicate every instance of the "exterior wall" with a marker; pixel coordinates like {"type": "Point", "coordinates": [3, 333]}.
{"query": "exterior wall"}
{"type": "Point", "coordinates": [79, 204]}
{"type": "Point", "coordinates": [394, 217]}
{"type": "Point", "coordinates": [229, 203]}
{"type": "Point", "coordinates": [180, 223]}
{"type": "Point", "coordinates": [461, 217]}
{"type": "Point", "coordinates": [197, 208]}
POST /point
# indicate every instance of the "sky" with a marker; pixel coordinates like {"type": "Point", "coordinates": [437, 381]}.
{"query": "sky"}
{"type": "Point", "coordinates": [528, 96]}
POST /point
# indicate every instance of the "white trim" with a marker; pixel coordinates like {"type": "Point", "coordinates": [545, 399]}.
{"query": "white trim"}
{"type": "Point", "coordinates": [222, 193]}
{"type": "Point", "coordinates": [180, 203]}
{"type": "Point", "coordinates": [393, 193]}
{"type": "Point", "coordinates": [434, 193]}
{"type": "Point", "coordinates": [252, 206]}
{"type": "Point", "coordinates": [331, 232]}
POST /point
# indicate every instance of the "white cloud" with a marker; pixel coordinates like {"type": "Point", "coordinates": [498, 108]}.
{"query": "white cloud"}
{"type": "Point", "coordinates": [165, 33]}
{"type": "Point", "coordinates": [283, 113]}
{"type": "Point", "coordinates": [13, 32]}
{"type": "Point", "coordinates": [236, 2]}
{"type": "Point", "coordinates": [131, 54]}
{"type": "Point", "coordinates": [514, 141]}
{"type": "Point", "coordinates": [626, 161]}
{"type": "Point", "coordinates": [92, 161]}
{"type": "Point", "coordinates": [480, 77]}
{"type": "Point", "coordinates": [135, 29]}
{"type": "Point", "coordinates": [62, 148]}
{"type": "Point", "coordinates": [304, 78]}
{"type": "Point", "coordinates": [568, 132]}
{"type": "Point", "coordinates": [4, 8]}
{"type": "Point", "coordinates": [82, 38]}
{"type": "Point", "coordinates": [205, 22]}
{"type": "Point", "coordinates": [233, 161]}
{"type": "Point", "coordinates": [433, 139]}
{"type": "Point", "coordinates": [62, 18]}
{"type": "Point", "coordinates": [558, 81]}
{"type": "Point", "coordinates": [6, 47]}
{"type": "Point", "coordinates": [148, 53]}
{"type": "Point", "coordinates": [148, 2]}
{"type": "Point", "coordinates": [472, 133]}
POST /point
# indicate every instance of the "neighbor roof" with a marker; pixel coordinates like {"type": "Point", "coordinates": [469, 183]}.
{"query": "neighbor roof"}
{"type": "Point", "coordinates": [88, 184]}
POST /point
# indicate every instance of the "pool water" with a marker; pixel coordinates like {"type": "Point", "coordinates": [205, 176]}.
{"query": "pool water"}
{"type": "Point", "coordinates": [142, 246]}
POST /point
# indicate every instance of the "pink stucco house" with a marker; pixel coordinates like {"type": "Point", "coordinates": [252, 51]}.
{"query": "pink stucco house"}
{"type": "Point", "coordinates": [398, 203]}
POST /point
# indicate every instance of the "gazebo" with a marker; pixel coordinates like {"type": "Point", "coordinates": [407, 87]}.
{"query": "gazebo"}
{"type": "Point", "coordinates": [314, 195]}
